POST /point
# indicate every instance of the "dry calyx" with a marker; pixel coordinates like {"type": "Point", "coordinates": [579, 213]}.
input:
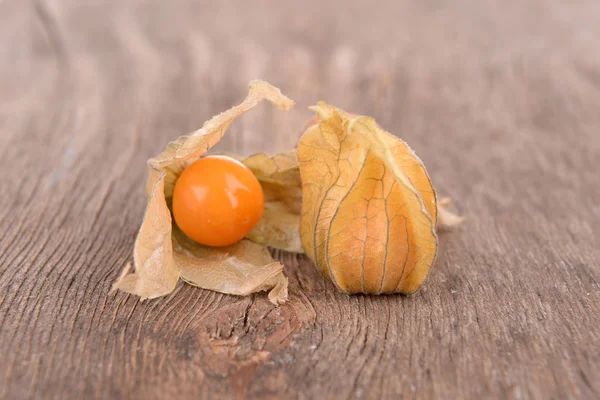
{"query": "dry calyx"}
{"type": "Point", "coordinates": [353, 197]}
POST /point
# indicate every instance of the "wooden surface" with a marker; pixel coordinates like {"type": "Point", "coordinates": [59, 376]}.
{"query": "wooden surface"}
{"type": "Point", "coordinates": [501, 100]}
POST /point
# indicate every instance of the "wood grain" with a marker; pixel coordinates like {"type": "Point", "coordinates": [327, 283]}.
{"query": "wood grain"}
{"type": "Point", "coordinates": [499, 99]}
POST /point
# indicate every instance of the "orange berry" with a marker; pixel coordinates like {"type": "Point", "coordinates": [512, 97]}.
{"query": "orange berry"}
{"type": "Point", "coordinates": [217, 201]}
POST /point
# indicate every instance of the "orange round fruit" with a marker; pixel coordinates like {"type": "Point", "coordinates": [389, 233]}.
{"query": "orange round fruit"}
{"type": "Point", "coordinates": [217, 201]}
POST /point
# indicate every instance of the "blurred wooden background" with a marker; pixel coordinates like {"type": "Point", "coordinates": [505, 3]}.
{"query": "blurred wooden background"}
{"type": "Point", "coordinates": [501, 100]}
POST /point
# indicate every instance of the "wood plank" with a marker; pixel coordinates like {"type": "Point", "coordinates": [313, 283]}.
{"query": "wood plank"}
{"type": "Point", "coordinates": [499, 100]}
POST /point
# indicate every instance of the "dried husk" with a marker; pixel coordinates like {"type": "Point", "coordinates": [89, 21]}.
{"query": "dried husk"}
{"type": "Point", "coordinates": [279, 177]}
{"type": "Point", "coordinates": [241, 269]}
{"type": "Point", "coordinates": [162, 254]}
{"type": "Point", "coordinates": [446, 218]}
{"type": "Point", "coordinates": [369, 210]}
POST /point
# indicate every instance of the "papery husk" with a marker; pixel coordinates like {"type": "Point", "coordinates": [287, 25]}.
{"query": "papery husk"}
{"type": "Point", "coordinates": [446, 218]}
{"type": "Point", "coordinates": [240, 269]}
{"type": "Point", "coordinates": [279, 177]}
{"type": "Point", "coordinates": [161, 255]}
{"type": "Point", "coordinates": [369, 211]}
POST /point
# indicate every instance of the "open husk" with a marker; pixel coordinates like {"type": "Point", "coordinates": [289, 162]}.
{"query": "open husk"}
{"type": "Point", "coordinates": [162, 254]}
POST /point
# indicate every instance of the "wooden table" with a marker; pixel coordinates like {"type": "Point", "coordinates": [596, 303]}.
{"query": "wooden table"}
{"type": "Point", "coordinates": [501, 100]}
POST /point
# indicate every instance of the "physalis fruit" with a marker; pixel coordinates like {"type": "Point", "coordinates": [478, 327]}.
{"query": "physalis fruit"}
{"type": "Point", "coordinates": [217, 201]}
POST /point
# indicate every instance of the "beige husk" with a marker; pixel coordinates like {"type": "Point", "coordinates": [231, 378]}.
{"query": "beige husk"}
{"type": "Point", "coordinates": [162, 255]}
